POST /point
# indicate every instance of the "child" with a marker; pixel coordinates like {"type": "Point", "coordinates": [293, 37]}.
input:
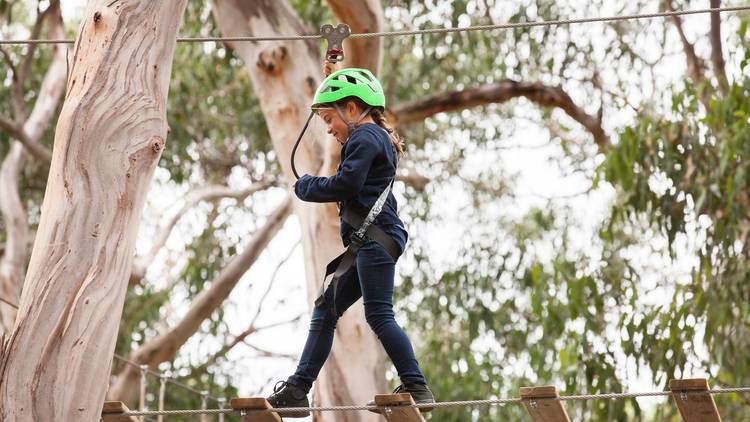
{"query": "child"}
{"type": "Point", "coordinates": [351, 103]}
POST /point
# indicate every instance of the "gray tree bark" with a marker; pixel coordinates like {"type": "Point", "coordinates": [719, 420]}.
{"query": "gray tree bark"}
{"type": "Point", "coordinates": [55, 365]}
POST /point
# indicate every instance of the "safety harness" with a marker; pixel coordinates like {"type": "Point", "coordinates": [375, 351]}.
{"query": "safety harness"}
{"type": "Point", "coordinates": [363, 230]}
{"type": "Point", "coordinates": [362, 225]}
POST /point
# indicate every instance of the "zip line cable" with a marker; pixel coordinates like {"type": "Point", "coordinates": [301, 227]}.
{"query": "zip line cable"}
{"type": "Point", "coordinates": [551, 23]}
{"type": "Point", "coordinates": [514, 25]}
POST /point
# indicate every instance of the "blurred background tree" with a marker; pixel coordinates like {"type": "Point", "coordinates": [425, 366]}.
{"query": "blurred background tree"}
{"type": "Point", "coordinates": [580, 217]}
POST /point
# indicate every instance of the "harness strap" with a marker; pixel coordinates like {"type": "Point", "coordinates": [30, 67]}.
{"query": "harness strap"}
{"type": "Point", "coordinates": [364, 230]}
{"type": "Point", "coordinates": [374, 233]}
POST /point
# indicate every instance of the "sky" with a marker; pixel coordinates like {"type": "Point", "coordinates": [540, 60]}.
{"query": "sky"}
{"type": "Point", "coordinates": [537, 179]}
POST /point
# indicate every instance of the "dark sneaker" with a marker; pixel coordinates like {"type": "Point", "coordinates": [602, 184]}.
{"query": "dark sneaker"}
{"type": "Point", "coordinates": [289, 395]}
{"type": "Point", "coordinates": [419, 392]}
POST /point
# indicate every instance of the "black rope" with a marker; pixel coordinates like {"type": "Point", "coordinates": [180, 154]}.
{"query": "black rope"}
{"type": "Point", "coordinates": [296, 144]}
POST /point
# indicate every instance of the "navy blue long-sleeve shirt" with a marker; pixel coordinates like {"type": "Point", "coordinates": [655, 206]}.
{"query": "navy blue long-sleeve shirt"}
{"type": "Point", "coordinates": [368, 163]}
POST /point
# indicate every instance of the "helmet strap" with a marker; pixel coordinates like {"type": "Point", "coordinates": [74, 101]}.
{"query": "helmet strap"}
{"type": "Point", "coordinates": [351, 125]}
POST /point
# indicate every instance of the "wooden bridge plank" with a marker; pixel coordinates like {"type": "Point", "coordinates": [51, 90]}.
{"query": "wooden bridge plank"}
{"type": "Point", "coordinates": [255, 403]}
{"type": "Point", "coordinates": [694, 407]}
{"type": "Point", "coordinates": [396, 412]}
{"type": "Point", "coordinates": [541, 405]}
{"type": "Point", "coordinates": [112, 409]}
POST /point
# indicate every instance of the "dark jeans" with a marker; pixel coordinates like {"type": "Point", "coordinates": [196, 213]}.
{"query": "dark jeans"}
{"type": "Point", "coordinates": [372, 279]}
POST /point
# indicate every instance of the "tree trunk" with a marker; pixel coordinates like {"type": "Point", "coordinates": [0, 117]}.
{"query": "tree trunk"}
{"type": "Point", "coordinates": [285, 76]}
{"type": "Point", "coordinates": [108, 140]}
{"type": "Point", "coordinates": [14, 259]}
{"type": "Point", "coordinates": [364, 16]}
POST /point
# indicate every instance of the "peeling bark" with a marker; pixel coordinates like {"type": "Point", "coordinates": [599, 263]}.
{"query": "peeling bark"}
{"type": "Point", "coordinates": [108, 141]}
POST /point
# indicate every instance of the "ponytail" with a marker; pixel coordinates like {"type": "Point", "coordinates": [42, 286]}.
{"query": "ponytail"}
{"type": "Point", "coordinates": [396, 140]}
{"type": "Point", "coordinates": [379, 117]}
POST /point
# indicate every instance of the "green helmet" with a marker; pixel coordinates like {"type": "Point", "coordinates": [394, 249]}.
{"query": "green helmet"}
{"type": "Point", "coordinates": [360, 83]}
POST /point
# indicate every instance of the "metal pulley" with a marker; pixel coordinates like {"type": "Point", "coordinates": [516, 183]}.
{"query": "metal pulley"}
{"type": "Point", "coordinates": [334, 54]}
{"type": "Point", "coordinates": [335, 38]}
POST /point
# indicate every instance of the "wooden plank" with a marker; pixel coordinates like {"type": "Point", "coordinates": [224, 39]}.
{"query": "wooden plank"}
{"type": "Point", "coordinates": [541, 405]}
{"type": "Point", "coordinates": [246, 404]}
{"type": "Point", "coordinates": [694, 407]}
{"type": "Point", "coordinates": [111, 412]}
{"type": "Point", "coordinates": [396, 410]}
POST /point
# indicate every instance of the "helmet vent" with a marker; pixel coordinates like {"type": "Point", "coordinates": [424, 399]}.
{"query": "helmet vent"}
{"type": "Point", "coordinates": [365, 75]}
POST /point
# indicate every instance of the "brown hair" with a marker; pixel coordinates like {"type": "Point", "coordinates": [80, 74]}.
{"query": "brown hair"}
{"type": "Point", "coordinates": [379, 117]}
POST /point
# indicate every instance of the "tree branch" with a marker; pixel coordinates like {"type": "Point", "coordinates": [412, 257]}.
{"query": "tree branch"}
{"type": "Point", "coordinates": [52, 88]}
{"type": "Point", "coordinates": [9, 62]}
{"type": "Point", "coordinates": [263, 297]}
{"type": "Point", "coordinates": [165, 346]}
{"type": "Point", "coordinates": [209, 193]}
{"type": "Point", "coordinates": [717, 56]}
{"type": "Point", "coordinates": [252, 329]}
{"type": "Point", "coordinates": [35, 149]}
{"type": "Point", "coordinates": [694, 63]}
{"type": "Point", "coordinates": [23, 72]}
{"type": "Point", "coordinates": [13, 261]}
{"type": "Point", "coordinates": [269, 354]}
{"type": "Point", "coordinates": [500, 92]}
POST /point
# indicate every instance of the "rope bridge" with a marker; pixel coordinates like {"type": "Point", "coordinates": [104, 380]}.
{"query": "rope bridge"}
{"type": "Point", "coordinates": [693, 397]}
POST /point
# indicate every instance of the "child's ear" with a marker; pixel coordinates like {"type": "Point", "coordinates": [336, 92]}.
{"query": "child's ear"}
{"type": "Point", "coordinates": [351, 107]}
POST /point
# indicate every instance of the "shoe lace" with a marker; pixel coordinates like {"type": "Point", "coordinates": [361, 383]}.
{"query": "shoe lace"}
{"type": "Point", "coordinates": [400, 389]}
{"type": "Point", "coordinates": [279, 386]}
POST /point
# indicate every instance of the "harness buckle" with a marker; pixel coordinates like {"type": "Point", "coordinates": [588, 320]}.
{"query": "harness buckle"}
{"type": "Point", "coordinates": [357, 240]}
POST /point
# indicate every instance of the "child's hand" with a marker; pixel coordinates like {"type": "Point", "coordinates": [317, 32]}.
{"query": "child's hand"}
{"type": "Point", "coordinates": [300, 182]}
{"type": "Point", "coordinates": [329, 67]}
